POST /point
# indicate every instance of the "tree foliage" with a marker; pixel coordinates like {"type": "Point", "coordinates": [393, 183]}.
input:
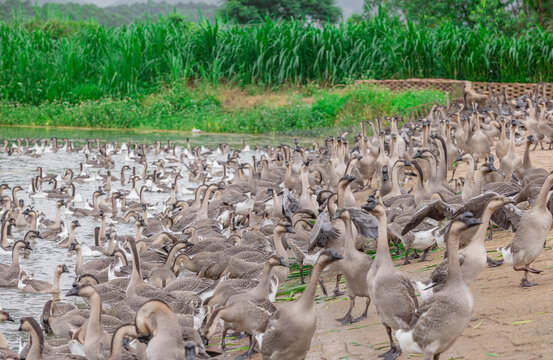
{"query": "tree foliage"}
{"type": "Point", "coordinates": [511, 16]}
{"type": "Point", "coordinates": [110, 16]}
{"type": "Point", "coordinates": [247, 11]}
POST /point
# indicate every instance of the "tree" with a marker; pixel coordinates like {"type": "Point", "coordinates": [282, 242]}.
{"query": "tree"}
{"type": "Point", "coordinates": [246, 11]}
{"type": "Point", "coordinates": [504, 15]}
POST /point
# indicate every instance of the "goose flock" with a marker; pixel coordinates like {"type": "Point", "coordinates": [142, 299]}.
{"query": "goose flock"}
{"type": "Point", "coordinates": [173, 248]}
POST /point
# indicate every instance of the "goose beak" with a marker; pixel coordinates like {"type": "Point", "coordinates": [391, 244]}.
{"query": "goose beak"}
{"type": "Point", "coordinates": [189, 351]}
{"type": "Point", "coordinates": [74, 290]}
{"type": "Point", "coordinates": [282, 262]}
{"type": "Point", "coordinates": [334, 255]}
{"type": "Point", "coordinates": [46, 325]}
{"type": "Point", "coordinates": [510, 201]}
{"type": "Point", "coordinates": [472, 222]}
{"type": "Point", "coordinates": [9, 318]}
{"type": "Point", "coordinates": [64, 269]}
{"type": "Point", "coordinates": [28, 246]}
{"type": "Point", "coordinates": [145, 339]}
{"type": "Point", "coordinates": [289, 229]}
{"type": "Point", "coordinates": [125, 343]}
{"type": "Point", "coordinates": [205, 340]}
{"type": "Point", "coordinates": [370, 205]}
{"type": "Point", "coordinates": [72, 246]}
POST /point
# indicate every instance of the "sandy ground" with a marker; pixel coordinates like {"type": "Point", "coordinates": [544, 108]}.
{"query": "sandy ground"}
{"type": "Point", "coordinates": [509, 322]}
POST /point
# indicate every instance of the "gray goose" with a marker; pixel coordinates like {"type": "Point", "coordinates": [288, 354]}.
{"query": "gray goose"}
{"type": "Point", "coordinates": [290, 329]}
{"type": "Point", "coordinates": [391, 291]}
{"type": "Point", "coordinates": [441, 319]}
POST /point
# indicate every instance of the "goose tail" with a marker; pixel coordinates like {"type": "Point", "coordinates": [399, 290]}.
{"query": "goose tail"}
{"type": "Point", "coordinates": [406, 341]}
{"type": "Point", "coordinates": [507, 254]}
{"type": "Point", "coordinates": [424, 288]}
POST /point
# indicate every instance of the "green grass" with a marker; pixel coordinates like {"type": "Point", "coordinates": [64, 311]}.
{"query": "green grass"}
{"type": "Point", "coordinates": [77, 61]}
{"type": "Point", "coordinates": [224, 109]}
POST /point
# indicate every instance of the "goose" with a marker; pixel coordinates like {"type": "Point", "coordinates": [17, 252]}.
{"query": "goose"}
{"type": "Point", "coordinates": [118, 343]}
{"type": "Point", "coordinates": [355, 268]}
{"type": "Point", "coordinates": [472, 258]}
{"type": "Point", "coordinates": [391, 292]}
{"type": "Point", "coordinates": [290, 329]}
{"type": "Point", "coordinates": [441, 319]}
{"type": "Point", "coordinates": [66, 238]}
{"type": "Point", "coordinates": [62, 320]}
{"type": "Point", "coordinates": [479, 142]}
{"type": "Point", "coordinates": [502, 145]}
{"type": "Point", "coordinates": [38, 346]}
{"type": "Point", "coordinates": [54, 225]}
{"type": "Point", "coordinates": [5, 352]}
{"type": "Point", "coordinates": [43, 287]}
{"type": "Point", "coordinates": [511, 161]}
{"type": "Point", "coordinates": [528, 242]}
{"type": "Point", "coordinates": [96, 339]}
{"type": "Point", "coordinates": [4, 242]}
{"type": "Point", "coordinates": [248, 311]}
{"type": "Point", "coordinates": [10, 273]}
{"type": "Point", "coordinates": [157, 326]}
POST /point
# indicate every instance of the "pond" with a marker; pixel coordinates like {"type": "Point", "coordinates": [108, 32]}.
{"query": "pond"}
{"type": "Point", "coordinates": [46, 255]}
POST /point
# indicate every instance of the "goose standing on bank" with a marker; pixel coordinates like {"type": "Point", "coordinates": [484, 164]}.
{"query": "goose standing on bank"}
{"type": "Point", "coordinates": [533, 227]}
{"type": "Point", "coordinates": [290, 329]}
{"type": "Point", "coordinates": [441, 319]}
{"type": "Point", "coordinates": [391, 292]}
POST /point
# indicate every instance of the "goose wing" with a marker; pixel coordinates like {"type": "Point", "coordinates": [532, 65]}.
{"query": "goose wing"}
{"type": "Point", "coordinates": [323, 231]}
{"type": "Point", "coordinates": [476, 205]}
{"type": "Point", "coordinates": [366, 224]}
{"type": "Point", "coordinates": [439, 274]}
{"type": "Point", "coordinates": [37, 285]}
{"type": "Point", "coordinates": [436, 209]}
{"type": "Point", "coordinates": [507, 217]}
{"type": "Point", "coordinates": [290, 203]}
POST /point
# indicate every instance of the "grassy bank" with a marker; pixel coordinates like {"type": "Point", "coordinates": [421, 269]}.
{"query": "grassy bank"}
{"type": "Point", "coordinates": [91, 62]}
{"type": "Point", "coordinates": [226, 109]}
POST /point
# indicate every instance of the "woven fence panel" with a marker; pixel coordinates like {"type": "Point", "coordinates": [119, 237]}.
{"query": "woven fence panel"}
{"type": "Point", "coordinates": [456, 87]}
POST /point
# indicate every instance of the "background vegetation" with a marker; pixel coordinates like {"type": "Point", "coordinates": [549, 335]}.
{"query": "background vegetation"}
{"type": "Point", "coordinates": [148, 64]}
{"type": "Point", "coordinates": [227, 109]}
{"type": "Point", "coordinates": [84, 61]}
{"type": "Point", "coordinates": [110, 16]}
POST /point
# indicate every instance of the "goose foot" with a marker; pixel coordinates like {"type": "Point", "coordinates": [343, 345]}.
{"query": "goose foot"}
{"type": "Point", "coordinates": [391, 354]}
{"type": "Point", "coordinates": [415, 254]}
{"type": "Point", "coordinates": [424, 254]}
{"type": "Point", "coordinates": [337, 292]}
{"type": "Point", "coordinates": [360, 318]}
{"type": "Point", "coordinates": [494, 263]}
{"type": "Point", "coordinates": [347, 319]}
{"type": "Point", "coordinates": [238, 335]}
{"type": "Point", "coordinates": [525, 283]}
{"type": "Point", "coordinates": [244, 356]}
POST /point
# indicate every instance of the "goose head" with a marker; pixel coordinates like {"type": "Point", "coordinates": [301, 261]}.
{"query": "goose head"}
{"type": "Point", "coordinates": [329, 256]}
{"type": "Point", "coordinates": [82, 290]}
{"type": "Point", "coordinates": [464, 221]}
{"type": "Point", "coordinates": [277, 261]}
{"type": "Point", "coordinates": [5, 316]}
{"type": "Point", "coordinates": [374, 205]}
{"type": "Point", "coordinates": [146, 324]}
